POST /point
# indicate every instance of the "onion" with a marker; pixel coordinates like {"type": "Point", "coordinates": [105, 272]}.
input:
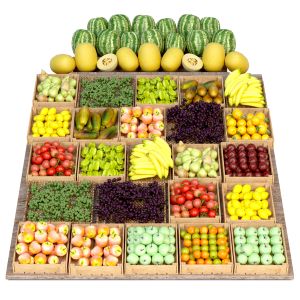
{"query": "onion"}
{"type": "Point", "coordinates": [180, 147]}
{"type": "Point", "coordinates": [182, 173]}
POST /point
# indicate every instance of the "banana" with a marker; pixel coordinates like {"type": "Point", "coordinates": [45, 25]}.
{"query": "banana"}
{"type": "Point", "coordinates": [160, 159]}
{"type": "Point", "coordinates": [138, 154]}
{"type": "Point", "coordinates": [232, 76]}
{"type": "Point", "coordinates": [233, 84]}
{"type": "Point", "coordinates": [252, 99]}
{"type": "Point", "coordinates": [144, 172]}
{"type": "Point", "coordinates": [156, 165]}
{"type": "Point", "coordinates": [147, 165]}
{"type": "Point", "coordinates": [166, 173]}
{"type": "Point", "coordinates": [163, 144]}
{"type": "Point", "coordinates": [138, 177]}
{"type": "Point", "coordinates": [240, 93]}
{"type": "Point", "coordinates": [253, 104]}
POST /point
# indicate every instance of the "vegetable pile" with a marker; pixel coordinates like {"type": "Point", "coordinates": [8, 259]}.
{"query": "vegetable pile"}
{"type": "Point", "coordinates": [57, 201]}
{"type": "Point", "coordinates": [96, 245]}
{"type": "Point", "coordinates": [52, 159]}
{"type": "Point", "coordinates": [156, 90]}
{"type": "Point", "coordinates": [197, 123]}
{"type": "Point", "coordinates": [102, 160]}
{"type": "Point", "coordinates": [104, 91]}
{"type": "Point", "coordinates": [123, 202]}
{"type": "Point", "coordinates": [193, 199]}
{"type": "Point", "coordinates": [42, 243]}
{"type": "Point", "coordinates": [191, 162]}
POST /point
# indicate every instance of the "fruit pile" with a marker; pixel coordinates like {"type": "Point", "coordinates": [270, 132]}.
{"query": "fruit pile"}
{"type": "Point", "coordinates": [210, 91]}
{"type": "Point", "coordinates": [191, 162]}
{"type": "Point", "coordinates": [102, 160]}
{"type": "Point", "coordinates": [191, 199]}
{"type": "Point", "coordinates": [156, 90]}
{"type": "Point", "coordinates": [96, 245]}
{"type": "Point", "coordinates": [150, 159]}
{"type": "Point", "coordinates": [55, 89]}
{"type": "Point", "coordinates": [96, 125]}
{"type": "Point", "coordinates": [205, 245]}
{"type": "Point", "coordinates": [246, 160]}
{"type": "Point", "coordinates": [247, 127]}
{"type": "Point", "coordinates": [244, 89]}
{"type": "Point", "coordinates": [53, 159]}
{"type": "Point", "coordinates": [140, 122]}
{"type": "Point", "coordinates": [151, 245]}
{"type": "Point", "coordinates": [49, 123]}
{"type": "Point", "coordinates": [245, 203]}
{"type": "Point", "coordinates": [262, 245]}
{"type": "Point", "coordinates": [42, 243]}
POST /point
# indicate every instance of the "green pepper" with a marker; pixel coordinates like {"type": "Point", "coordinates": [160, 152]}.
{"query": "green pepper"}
{"type": "Point", "coordinates": [84, 151]}
{"type": "Point", "coordinates": [92, 145]}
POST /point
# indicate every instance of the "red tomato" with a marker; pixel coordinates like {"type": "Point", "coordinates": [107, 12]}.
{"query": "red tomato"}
{"type": "Point", "coordinates": [68, 172]}
{"type": "Point", "coordinates": [185, 188]}
{"type": "Point", "coordinates": [44, 149]}
{"type": "Point", "coordinates": [203, 210]}
{"type": "Point", "coordinates": [194, 182]}
{"type": "Point", "coordinates": [185, 182]}
{"type": "Point", "coordinates": [202, 188]}
{"type": "Point", "coordinates": [42, 173]}
{"type": "Point", "coordinates": [56, 144]}
{"type": "Point", "coordinates": [53, 162]}
{"type": "Point", "coordinates": [38, 151]}
{"type": "Point", "coordinates": [177, 191]}
{"type": "Point", "coordinates": [205, 197]}
{"type": "Point", "coordinates": [35, 173]}
{"type": "Point", "coordinates": [61, 156]}
{"type": "Point", "coordinates": [189, 196]}
{"type": "Point", "coordinates": [46, 164]}
{"type": "Point", "coordinates": [212, 196]}
{"type": "Point", "coordinates": [197, 193]}
{"type": "Point", "coordinates": [175, 208]}
{"type": "Point", "coordinates": [51, 171]}
{"type": "Point", "coordinates": [48, 144]}
{"type": "Point", "coordinates": [72, 163]}
{"type": "Point", "coordinates": [71, 148]}
{"type": "Point", "coordinates": [188, 204]}
{"type": "Point", "coordinates": [173, 200]}
{"type": "Point", "coordinates": [54, 152]}
{"type": "Point", "coordinates": [66, 164]}
{"type": "Point", "coordinates": [194, 212]}
{"type": "Point", "coordinates": [185, 214]}
{"type": "Point", "coordinates": [176, 185]}
{"type": "Point", "coordinates": [180, 200]}
{"type": "Point", "coordinates": [59, 169]}
{"type": "Point", "coordinates": [46, 155]}
{"type": "Point", "coordinates": [34, 168]}
{"type": "Point", "coordinates": [212, 214]}
{"type": "Point", "coordinates": [38, 160]}
{"type": "Point", "coordinates": [61, 149]}
{"type": "Point", "coordinates": [197, 203]}
{"type": "Point", "coordinates": [69, 156]}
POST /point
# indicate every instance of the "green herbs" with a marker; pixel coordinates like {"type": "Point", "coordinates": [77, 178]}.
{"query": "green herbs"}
{"type": "Point", "coordinates": [156, 90]}
{"type": "Point", "coordinates": [60, 201]}
{"type": "Point", "coordinates": [107, 92]}
{"type": "Point", "coordinates": [104, 160]}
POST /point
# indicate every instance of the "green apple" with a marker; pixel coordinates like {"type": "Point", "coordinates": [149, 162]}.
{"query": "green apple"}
{"type": "Point", "coordinates": [158, 238]}
{"type": "Point", "coordinates": [136, 240]}
{"type": "Point", "coordinates": [276, 239]}
{"type": "Point", "coordinates": [157, 259]}
{"type": "Point", "coordinates": [253, 239]}
{"type": "Point", "coordinates": [184, 250]}
{"type": "Point", "coordinates": [239, 249]}
{"type": "Point", "coordinates": [247, 249]}
{"type": "Point", "coordinates": [255, 248]}
{"type": "Point", "coordinates": [263, 239]}
{"type": "Point", "coordinates": [266, 259]}
{"type": "Point", "coordinates": [254, 259]}
{"type": "Point", "coordinates": [265, 249]}
{"type": "Point", "coordinates": [220, 235]}
{"type": "Point", "coordinates": [187, 236]}
{"type": "Point", "coordinates": [278, 259]}
{"type": "Point", "coordinates": [210, 236]}
{"type": "Point", "coordinates": [213, 248]}
{"type": "Point", "coordinates": [172, 249]}
{"type": "Point", "coordinates": [145, 259]}
{"type": "Point", "coordinates": [172, 240]}
{"type": "Point", "coordinates": [164, 230]}
{"type": "Point", "coordinates": [275, 231]}
{"type": "Point", "coordinates": [263, 230]}
{"type": "Point", "coordinates": [151, 230]}
{"type": "Point", "coordinates": [130, 230]}
{"type": "Point", "coordinates": [132, 259]}
{"type": "Point", "coordinates": [182, 233]}
{"type": "Point", "coordinates": [146, 238]}
{"type": "Point", "coordinates": [129, 240]}
{"type": "Point", "coordinates": [251, 231]}
{"type": "Point", "coordinates": [139, 230]}
{"type": "Point", "coordinates": [152, 249]}
{"type": "Point", "coordinates": [242, 259]}
{"type": "Point", "coordinates": [204, 248]}
{"type": "Point", "coordinates": [166, 239]}
{"type": "Point", "coordinates": [171, 230]}
{"type": "Point", "coordinates": [213, 254]}
{"type": "Point", "coordinates": [277, 248]}
{"type": "Point", "coordinates": [130, 248]}
{"type": "Point", "coordinates": [195, 236]}
{"type": "Point", "coordinates": [169, 259]}
{"type": "Point", "coordinates": [163, 249]}
{"type": "Point", "coordinates": [140, 249]}
{"type": "Point", "coordinates": [204, 236]}
{"type": "Point", "coordinates": [217, 261]}
{"type": "Point", "coordinates": [195, 248]}
{"type": "Point", "coordinates": [239, 231]}
{"type": "Point", "coordinates": [240, 239]}
{"type": "Point", "coordinates": [212, 242]}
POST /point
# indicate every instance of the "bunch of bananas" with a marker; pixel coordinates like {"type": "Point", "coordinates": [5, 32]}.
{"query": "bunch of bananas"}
{"type": "Point", "coordinates": [244, 89]}
{"type": "Point", "coordinates": [149, 159]}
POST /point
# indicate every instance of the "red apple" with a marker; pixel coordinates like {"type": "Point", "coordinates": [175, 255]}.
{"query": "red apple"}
{"type": "Point", "coordinates": [34, 248]}
{"type": "Point", "coordinates": [75, 253]}
{"type": "Point", "coordinates": [41, 236]}
{"type": "Point", "coordinates": [24, 258]}
{"type": "Point", "coordinates": [53, 260]}
{"type": "Point", "coordinates": [21, 248]}
{"type": "Point", "coordinates": [40, 259]}
{"type": "Point", "coordinates": [61, 250]}
{"type": "Point", "coordinates": [47, 248]}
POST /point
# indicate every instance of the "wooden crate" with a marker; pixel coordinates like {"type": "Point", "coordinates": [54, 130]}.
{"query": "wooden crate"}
{"type": "Point", "coordinates": [97, 110]}
{"type": "Point", "coordinates": [245, 111]}
{"type": "Point", "coordinates": [196, 220]}
{"type": "Point", "coordinates": [157, 104]}
{"type": "Point", "coordinates": [98, 179]}
{"type": "Point", "coordinates": [44, 269]}
{"type": "Point", "coordinates": [31, 178]}
{"type": "Point", "coordinates": [151, 269]}
{"type": "Point", "coordinates": [135, 141]}
{"type": "Point", "coordinates": [100, 271]}
{"type": "Point", "coordinates": [35, 111]}
{"type": "Point", "coordinates": [227, 187]}
{"type": "Point", "coordinates": [243, 180]}
{"type": "Point", "coordinates": [260, 269]}
{"type": "Point", "coordinates": [201, 78]}
{"type": "Point", "coordinates": [221, 269]}
{"type": "Point", "coordinates": [199, 147]}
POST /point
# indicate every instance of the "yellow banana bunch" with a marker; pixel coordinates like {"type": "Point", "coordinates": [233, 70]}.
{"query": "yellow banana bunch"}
{"type": "Point", "coordinates": [150, 159]}
{"type": "Point", "coordinates": [244, 89]}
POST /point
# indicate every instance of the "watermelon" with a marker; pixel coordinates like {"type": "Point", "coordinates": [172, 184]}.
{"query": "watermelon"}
{"type": "Point", "coordinates": [187, 23]}
{"type": "Point", "coordinates": [196, 41]}
{"type": "Point", "coordinates": [153, 36]}
{"type": "Point", "coordinates": [81, 36]}
{"type": "Point", "coordinates": [142, 23]}
{"type": "Point", "coordinates": [108, 41]}
{"type": "Point", "coordinates": [210, 25]}
{"type": "Point", "coordinates": [226, 38]}
{"type": "Point", "coordinates": [119, 23]}
{"type": "Point", "coordinates": [175, 40]}
{"type": "Point", "coordinates": [165, 26]}
{"type": "Point", "coordinates": [96, 25]}
{"type": "Point", "coordinates": [130, 40]}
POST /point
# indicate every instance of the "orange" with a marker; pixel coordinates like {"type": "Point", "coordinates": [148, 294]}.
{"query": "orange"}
{"type": "Point", "coordinates": [231, 130]}
{"type": "Point", "coordinates": [191, 229]}
{"type": "Point", "coordinates": [200, 261]}
{"type": "Point", "coordinates": [256, 136]}
{"type": "Point", "coordinates": [241, 122]}
{"type": "Point", "coordinates": [227, 249]}
{"type": "Point", "coordinates": [251, 129]}
{"type": "Point", "coordinates": [187, 243]}
{"type": "Point", "coordinates": [242, 130]}
{"type": "Point", "coordinates": [255, 121]}
{"type": "Point", "coordinates": [208, 261]}
{"type": "Point", "coordinates": [249, 123]}
{"type": "Point", "coordinates": [213, 230]}
{"type": "Point", "coordinates": [204, 242]}
{"type": "Point", "coordinates": [191, 262]}
{"type": "Point", "coordinates": [196, 242]}
{"type": "Point", "coordinates": [246, 136]}
{"type": "Point", "coordinates": [231, 122]}
{"type": "Point", "coordinates": [237, 113]}
{"type": "Point", "coordinates": [205, 254]}
{"type": "Point", "coordinates": [191, 249]}
{"type": "Point", "coordinates": [249, 116]}
{"type": "Point", "coordinates": [236, 137]}
{"type": "Point", "coordinates": [225, 261]}
{"type": "Point", "coordinates": [197, 254]}
{"type": "Point", "coordinates": [203, 229]}
{"type": "Point", "coordinates": [222, 254]}
{"type": "Point", "coordinates": [185, 257]}
{"type": "Point", "coordinates": [221, 241]}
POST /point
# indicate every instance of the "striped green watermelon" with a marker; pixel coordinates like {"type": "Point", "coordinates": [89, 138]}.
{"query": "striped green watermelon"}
{"type": "Point", "coordinates": [142, 23]}
{"type": "Point", "coordinates": [226, 38]}
{"type": "Point", "coordinates": [165, 26]}
{"type": "Point", "coordinates": [108, 41]}
{"type": "Point", "coordinates": [175, 40]}
{"type": "Point", "coordinates": [187, 23]}
{"type": "Point", "coordinates": [119, 23]}
{"type": "Point", "coordinates": [81, 36]}
{"type": "Point", "coordinates": [210, 25]}
{"type": "Point", "coordinates": [130, 40]}
{"type": "Point", "coordinates": [96, 25]}
{"type": "Point", "coordinates": [153, 36]}
{"type": "Point", "coordinates": [196, 41]}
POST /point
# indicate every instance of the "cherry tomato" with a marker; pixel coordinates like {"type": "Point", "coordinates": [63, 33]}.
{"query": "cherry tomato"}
{"type": "Point", "coordinates": [194, 212]}
{"type": "Point", "coordinates": [173, 200]}
{"type": "Point", "coordinates": [180, 200]}
{"type": "Point", "coordinates": [189, 195]}
{"type": "Point", "coordinates": [203, 210]}
{"type": "Point", "coordinates": [212, 213]}
{"type": "Point", "coordinates": [46, 155]}
{"type": "Point", "coordinates": [68, 172]}
{"type": "Point", "coordinates": [194, 182]}
{"type": "Point", "coordinates": [59, 169]}
{"type": "Point", "coordinates": [51, 171]}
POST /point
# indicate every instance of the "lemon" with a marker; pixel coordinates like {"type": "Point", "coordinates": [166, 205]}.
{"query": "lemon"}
{"type": "Point", "coordinates": [34, 130]}
{"type": "Point", "coordinates": [264, 195]}
{"type": "Point", "coordinates": [60, 124]}
{"type": "Point", "coordinates": [35, 118]}
{"type": "Point", "coordinates": [249, 116]}
{"type": "Point", "coordinates": [44, 111]}
{"type": "Point", "coordinates": [236, 204]}
{"type": "Point", "coordinates": [231, 122]}
{"type": "Point", "coordinates": [235, 196]}
{"type": "Point", "coordinates": [67, 131]}
{"type": "Point", "coordinates": [237, 188]}
{"type": "Point", "coordinates": [260, 189]}
{"type": "Point", "coordinates": [240, 212]}
{"type": "Point", "coordinates": [231, 130]}
{"type": "Point", "coordinates": [263, 214]}
{"type": "Point", "coordinates": [257, 196]}
{"type": "Point", "coordinates": [241, 196]}
{"type": "Point", "coordinates": [246, 188]}
{"type": "Point", "coordinates": [67, 117]}
{"type": "Point", "coordinates": [61, 132]}
{"type": "Point", "coordinates": [255, 218]}
{"type": "Point", "coordinates": [49, 130]}
{"type": "Point", "coordinates": [249, 212]}
{"type": "Point", "coordinates": [40, 118]}
{"type": "Point", "coordinates": [229, 195]}
{"type": "Point", "coordinates": [234, 218]}
{"type": "Point", "coordinates": [229, 204]}
{"type": "Point", "coordinates": [54, 125]}
{"type": "Point", "coordinates": [51, 118]}
{"type": "Point", "coordinates": [59, 117]}
{"type": "Point", "coordinates": [248, 196]}
{"type": "Point", "coordinates": [52, 111]}
{"type": "Point", "coordinates": [231, 211]}
{"type": "Point", "coordinates": [46, 118]}
{"type": "Point", "coordinates": [54, 135]}
{"type": "Point", "coordinates": [39, 124]}
{"type": "Point", "coordinates": [245, 217]}
{"type": "Point", "coordinates": [46, 134]}
{"type": "Point", "coordinates": [34, 124]}
{"type": "Point", "coordinates": [237, 113]}
{"type": "Point", "coordinates": [64, 112]}
{"type": "Point", "coordinates": [36, 135]}
{"type": "Point", "coordinates": [264, 204]}
{"type": "Point", "coordinates": [253, 205]}
{"type": "Point", "coordinates": [42, 130]}
{"type": "Point", "coordinates": [246, 203]}
{"type": "Point", "coordinates": [265, 137]}
{"type": "Point", "coordinates": [268, 211]}
{"type": "Point", "coordinates": [66, 124]}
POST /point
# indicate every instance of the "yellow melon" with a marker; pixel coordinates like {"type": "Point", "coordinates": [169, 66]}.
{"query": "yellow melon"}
{"type": "Point", "coordinates": [127, 59]}
{"type": "Point", "coordinates": [235, 60]}
{"type": "Point", "coordinates": [213, 57]}
{"type": "Point", "coordinates": [62, 64]}
{"type": "Point", "coordinates": [86, 57]}
{"type": "Point", "coordinates": [149, 57]}
{"type": "Point", "coordinates": [171, 60]}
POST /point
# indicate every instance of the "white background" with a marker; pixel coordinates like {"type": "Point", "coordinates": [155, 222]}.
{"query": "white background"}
{"type": "Point", "coordinates": [267, 32]}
